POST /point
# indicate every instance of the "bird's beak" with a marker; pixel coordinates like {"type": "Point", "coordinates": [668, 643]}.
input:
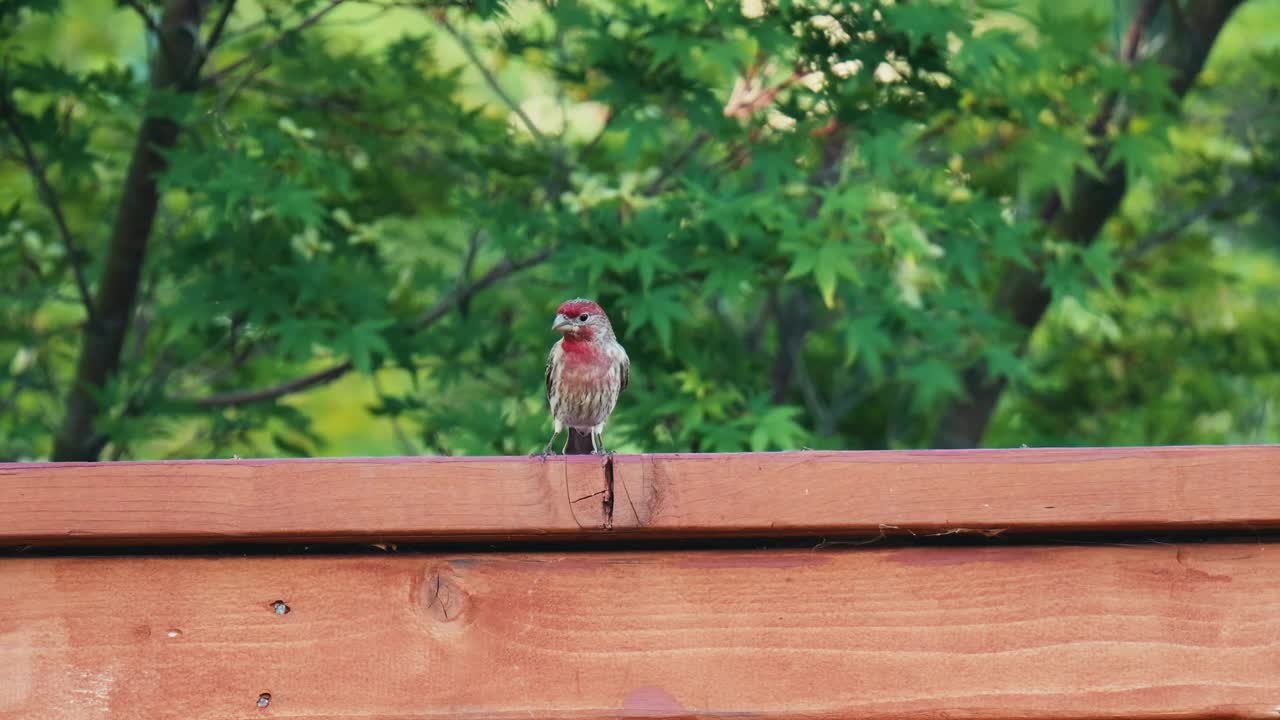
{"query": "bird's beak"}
{"type": "Point", "coordinates": [561, 323]}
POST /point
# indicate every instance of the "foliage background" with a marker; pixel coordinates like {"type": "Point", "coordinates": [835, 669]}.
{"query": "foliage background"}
{"type": "Point", "coordinates": [395, 195]}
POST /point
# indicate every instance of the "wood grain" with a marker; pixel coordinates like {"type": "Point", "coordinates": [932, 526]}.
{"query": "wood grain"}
{"type": "Point", "coordinates": [1016, 632]}
{"type": "Point", "coordinates": [342, 500]}
{"type": "Point", "coordinates": [1235, 489]}
{"type": "Point", "coordinates": [950, 491]}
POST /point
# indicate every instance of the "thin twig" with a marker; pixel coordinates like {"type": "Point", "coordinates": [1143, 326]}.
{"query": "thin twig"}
{"type": "Point", "coordinates": [142, 318]}
{"type": "Point", "coordinates": [407, 446]}
{"type": "Point", "coordinates": [468, 264]}
{"type": "Point", "coordinates": [755, 330]}
{"type": "Point", "coordinates": [821, 413]}
{"type": "Point", "coordinates": [51, 201]}
{"type": "Point", "coordinates": [1133, 38]}
{"type": "Point", "coordinates": [217, 75]}
{"type": "Point", "coordinates": [676, 163]}
{"type": "Point", "coordinates": [1172, 230]}
{"type": "Point", "coordinates": [218, 111]}
{"type": "Point", "coordinates": [473, 249]}
{"type": "Point", "coordinates": [256, 25]}
{"type": "Point", "coordinates": [504, 268]}
{"type": "Point", "coordinates": [249, 28]}
{"type": "Point", "coordinates": [215, 35]}
{"type": "Point", "coordinates": [247, 397]}
{"type": "Point", "coordinates": [609, 116]}
{"type": "Point", "coordinates": [746, 99]}
{"type": "Point", "coordinates": [469, 49]}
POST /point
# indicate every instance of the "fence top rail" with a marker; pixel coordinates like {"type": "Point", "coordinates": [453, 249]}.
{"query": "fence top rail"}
{"type": "Point", "coordinates": [1232, 489]}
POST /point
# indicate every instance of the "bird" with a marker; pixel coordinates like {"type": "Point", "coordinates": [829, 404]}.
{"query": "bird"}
{"type": "Point", "coordinates": [587, 369]}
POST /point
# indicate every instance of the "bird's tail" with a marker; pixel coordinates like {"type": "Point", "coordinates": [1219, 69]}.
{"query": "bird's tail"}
{"type": "Point", "coordinates": [579, 443]}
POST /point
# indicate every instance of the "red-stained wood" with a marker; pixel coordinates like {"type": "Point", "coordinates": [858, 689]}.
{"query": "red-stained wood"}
{"type": "Point", "coordinates": [1235, 489]}
{"type": "Point", "coordinates": [342, 500]}
{"type": "Point", "coordinates": [1015, 632]}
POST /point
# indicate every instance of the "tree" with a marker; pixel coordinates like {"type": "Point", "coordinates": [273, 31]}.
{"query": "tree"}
{"type": "Point", "coordinates": [827, 224]}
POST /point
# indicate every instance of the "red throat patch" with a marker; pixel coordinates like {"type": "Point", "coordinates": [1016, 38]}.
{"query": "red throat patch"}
{"type": "Point", "coordinates": [580, 344]}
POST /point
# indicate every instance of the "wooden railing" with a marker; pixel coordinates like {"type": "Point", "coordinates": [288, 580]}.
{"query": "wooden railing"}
{"type": "Point", "coordinates": [1128, 582]}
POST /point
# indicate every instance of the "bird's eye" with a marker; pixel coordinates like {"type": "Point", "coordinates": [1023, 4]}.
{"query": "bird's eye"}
{"type": "Point", "coordinates": [582, 317]}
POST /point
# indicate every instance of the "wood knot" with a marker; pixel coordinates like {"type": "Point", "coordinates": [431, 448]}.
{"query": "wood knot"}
{"type": "Point", "coordinates": [439, 595]}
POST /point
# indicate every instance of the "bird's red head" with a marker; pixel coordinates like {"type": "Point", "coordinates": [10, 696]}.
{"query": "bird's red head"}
{"type": "Point", "coordinates": [581, 319]}
{"type": "Point", "coordinates": [579, 306]}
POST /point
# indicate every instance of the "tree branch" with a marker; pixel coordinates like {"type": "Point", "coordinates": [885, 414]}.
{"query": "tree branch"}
{"type": "Point", "coordinates": [473, 249]}
{"type": "Point", "coordinates": [451, 300]}
{"type": "Point", "coordinates": [504, 268]}
{"type": "Point", "coordinates": [677, 162]}
{"type": "Point", "coordinates": [218, 75]}
{"type": "Point", "coordinates": [215, 35]}
{"type": "Point", "coordinates": [102, 342]}
{"type": "Point", "coordinates": [249, 397]}
{"type": "Point", "coordinates": [153, 28]}
{"type": "Point", "coordinates": [1128, 53]}
{"type": "Point", "coordinates": [1244, 188]}
{"type": "Point", "coordinates": [469, 49]}
{"type": "Point", "coordinates": [794, 316]}
{"type": "Point", "coordinates": [50, 199]}
{"type": "Point", "coordinates": [747, 98]}
{"type": "Point", "coordinates": [1094, 200]}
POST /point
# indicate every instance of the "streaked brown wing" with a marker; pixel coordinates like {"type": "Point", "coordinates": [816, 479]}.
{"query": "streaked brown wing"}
{"type": "Point", "coordinates": [548, 376]}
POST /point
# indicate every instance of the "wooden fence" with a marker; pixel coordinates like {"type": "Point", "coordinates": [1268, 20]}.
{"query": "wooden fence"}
{"type": "Point", "coordinates": [1118, 583]}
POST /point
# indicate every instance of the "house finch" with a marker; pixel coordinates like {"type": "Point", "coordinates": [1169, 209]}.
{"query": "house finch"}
{"type": "Point", "coordinates": [586, 372]}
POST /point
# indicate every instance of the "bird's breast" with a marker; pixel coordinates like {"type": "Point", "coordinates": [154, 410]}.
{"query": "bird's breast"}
{"type": "Point", "coordinates": [585, 373]}
{"type": "Point", "coordinates": [588, 380]}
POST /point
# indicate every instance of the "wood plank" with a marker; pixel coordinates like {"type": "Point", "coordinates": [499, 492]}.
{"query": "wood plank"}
{"type": "Point", "coordinates": [1234, 489]}
{"type": "Point", "coordinates": [990, 492]}
{"type": "Point", "coordinates": [346, 500]}
{"type": "Point", "coordinates": [1013, 632]}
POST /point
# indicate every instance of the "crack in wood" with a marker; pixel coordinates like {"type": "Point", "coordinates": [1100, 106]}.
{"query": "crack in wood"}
{"type": "Point", "coordinates": [588, 497]}
{"type": "Point", "coordinates": [608, 492]}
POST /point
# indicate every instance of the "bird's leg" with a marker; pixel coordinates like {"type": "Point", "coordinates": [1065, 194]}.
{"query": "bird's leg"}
{"type": "Point", "coordinates": [597, 443]}
{"type": "Point", "coordinates": [546, 451]}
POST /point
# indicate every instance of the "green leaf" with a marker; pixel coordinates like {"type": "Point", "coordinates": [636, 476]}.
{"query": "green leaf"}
{"type": "Point", "coordinates": [777, 428]}
{"type": "Point", "coordinates": [868, 342]}
{"type": "Point", "coordinates": [825, 275]}
{"type": "Point", "coordinates": [919, 21]}
{"type": "Point", "coordinates": [363, 341]}
{"type": "Point", "coordinates": [1002, 361]}
{"type": "Point", "coordinates": [931, 382]}
{"type": "Point", "coordinates": [657, 309]}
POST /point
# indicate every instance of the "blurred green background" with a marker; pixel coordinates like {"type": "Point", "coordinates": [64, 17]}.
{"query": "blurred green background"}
{"type": "Point", "coordinates": [817, 224]}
